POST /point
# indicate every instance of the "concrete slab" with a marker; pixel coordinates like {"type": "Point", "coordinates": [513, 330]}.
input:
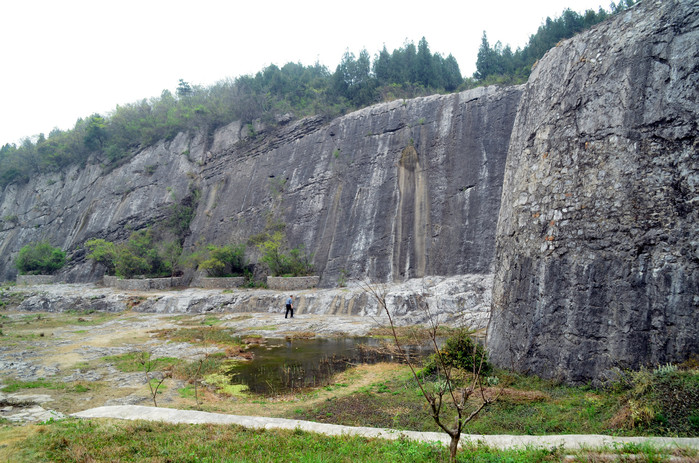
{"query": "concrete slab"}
{"type": "Point", "coordinates": [567, 441]}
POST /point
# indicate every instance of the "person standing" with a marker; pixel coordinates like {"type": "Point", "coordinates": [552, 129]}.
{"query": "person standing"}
{"type": "Point", "coordinates": [289, 306]}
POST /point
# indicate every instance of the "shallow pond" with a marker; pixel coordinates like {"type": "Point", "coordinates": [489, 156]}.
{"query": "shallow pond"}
{"type": "Point", "coordinates": [283, 365]}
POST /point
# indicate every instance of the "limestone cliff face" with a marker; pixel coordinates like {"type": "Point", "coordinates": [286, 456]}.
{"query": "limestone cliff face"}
{"type": "Point", "coordinates": [597, 261]}
{"type": "Point", "coordinates": [394, 191]}
{"type": "Point", "coordinates": [85, 202]}
{"type": "Point", "coordinates": [597, 251]}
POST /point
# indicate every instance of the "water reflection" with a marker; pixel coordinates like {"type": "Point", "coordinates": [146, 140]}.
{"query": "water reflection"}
{"type": "Point", "coordinates": [283, 365]}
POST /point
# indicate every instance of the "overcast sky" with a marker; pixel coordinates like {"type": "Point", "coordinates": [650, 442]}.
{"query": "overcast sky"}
{"type": "Point", "coordinates": [65, 59]}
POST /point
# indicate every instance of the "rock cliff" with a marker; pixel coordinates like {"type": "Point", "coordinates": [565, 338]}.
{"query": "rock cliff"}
{"type": "Point", "coordinates": [597, 262]}
{"type": "Point", "coordinates": [391, 192]}
{"type": "Point", "coordinates": [588, 173]}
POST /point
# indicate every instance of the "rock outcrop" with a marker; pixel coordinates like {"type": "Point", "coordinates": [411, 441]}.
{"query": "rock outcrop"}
{"type": "Point", "coordinates": [597, 247]}
{"type": "Point", "coordinates": [596, 201]}
{"type": "Point", "coordinates": [391, 192]}
{"type": "Point", "coordinates": [459, 301]}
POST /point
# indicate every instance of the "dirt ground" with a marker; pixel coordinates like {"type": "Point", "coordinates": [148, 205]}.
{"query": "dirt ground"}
{"type": "Point", "coordinates": [62, 356]}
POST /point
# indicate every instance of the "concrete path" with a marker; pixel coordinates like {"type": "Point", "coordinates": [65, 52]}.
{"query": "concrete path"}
{"type": "Point", "coordinates": [569, 441]}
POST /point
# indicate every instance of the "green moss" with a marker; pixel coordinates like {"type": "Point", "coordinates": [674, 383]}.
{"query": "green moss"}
{"type": "Point", "coordinates": [223, 385]}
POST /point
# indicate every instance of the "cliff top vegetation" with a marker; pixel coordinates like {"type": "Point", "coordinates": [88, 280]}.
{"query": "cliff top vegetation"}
{"type": "Point", "coordinates": [293, 89]}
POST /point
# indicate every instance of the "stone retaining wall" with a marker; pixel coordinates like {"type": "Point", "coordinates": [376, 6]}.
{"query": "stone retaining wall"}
{"type": "Point", "coordinates": [35, 279]}
{"type": "Point", "coordinates": [141, 284]}
{"type": "Point", "coordinates": [218, 283]}
{"type": "Point", "coordinates": [292, 283]}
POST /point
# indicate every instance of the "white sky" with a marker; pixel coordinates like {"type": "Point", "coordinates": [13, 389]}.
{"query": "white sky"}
{"type": "Point", "coordinates": [65, 59]}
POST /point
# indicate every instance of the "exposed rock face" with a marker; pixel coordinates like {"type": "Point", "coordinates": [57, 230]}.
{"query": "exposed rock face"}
{"type": "Point", "coordinates": [597, 260]}
{"type": "Point", "coordinates": [459, 301]}
{"type": "Point", "coordinates": [391, 192]}
{"type": "Point", "coordinates": [84, 202]}
{"type": "Point", "coordinates": [597, 247]}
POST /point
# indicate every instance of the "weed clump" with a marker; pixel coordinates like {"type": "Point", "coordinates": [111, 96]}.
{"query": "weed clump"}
{"type": "Point", "coordinates": [664, 400]}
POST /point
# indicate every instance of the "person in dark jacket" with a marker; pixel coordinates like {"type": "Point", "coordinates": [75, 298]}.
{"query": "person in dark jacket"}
{"type": "Point", "coordinates": [289, 307]}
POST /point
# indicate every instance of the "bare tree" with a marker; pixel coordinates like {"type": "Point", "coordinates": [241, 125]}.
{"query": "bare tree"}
{"type": "Point", "coordinates": [197, 374]}
{"type": "Point", "coordinates": [447, 390]}
{"type": "Point", "coordinates": [154, 383]}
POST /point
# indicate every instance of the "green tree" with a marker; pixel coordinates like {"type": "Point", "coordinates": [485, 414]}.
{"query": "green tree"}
{"type": "Point", "coordinates": [184, 89]}
{"type": "Point", "coordinates": [353, 79]}
{"type": "Point", "coordinates": [382, 67]}
{"type": "Point", "coordinates": [460, 351]}
{"type": "Point", "coordinates": [451, 73]}
{"type": "Point", "coordinates": [171, 253]}
{"type": "Point", "coordinates": [486, 63]}
{"type": "Point", "coordinates": [103, 252]}
{"type": "Point", "coordinates": [40, 259]}
{"type": "Point", "coordinates": [223, 261]}
{"type": "Point", "coordinates": [500, 64]}
{"type": "Point", "coordinates": [140, 256]}
{"type": "Point", "coordinates": [272, 253]}
{"type": "Point", "coordinates": [424, 70]}
{"type": "Point", "coordinates": [295, 262]}
{"type": "Point", "coordinates": [180, 214]}
{"type": "Point", "coordinates": [128, 264]}
{"type": "Point", "coordinates": [95, 132]}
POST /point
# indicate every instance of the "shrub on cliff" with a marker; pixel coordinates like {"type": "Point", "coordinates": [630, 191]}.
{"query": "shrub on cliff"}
{"type": "Point", "coordinates": [224, 261]}
{"type": "Point", "coordinates": [103, 252]}
{"type": "Point", "coordinates": [140, 255]}
{"type": "Point", "coordinates": [294, 262]}
{"type": "Point", "coordinates": [40, 259]}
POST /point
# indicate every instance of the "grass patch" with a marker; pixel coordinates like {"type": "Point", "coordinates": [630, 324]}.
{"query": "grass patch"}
{"type": "Point", "coordinates": [528, 405]}
{"type": "Point", "coordinates": [155, 383]}
{"type": "Point", "coordinates": [10, 299]}
{"type": "Point", "coordinates": [415, 334]}
{"type": "Point", "coordinates": [131, 362]}
{"type": "Point", "coordinates": [73, 440]}
{"type": "Point", "coordinates": [223, 385]}
{"type": "Point", "coordinates": [81, 366]}
{"type": "Point", "coordinates": [210, 321]}
{"type": "Point", "coordinates": [13, 385]}
{"type": "Point", "coordinates": [200, 335]}
{"type": "Point", "coordinates": [187, 392]}
{"type": "Point", "coordinates": [263, 328]}
{"type": "Point", "coordinates": [39, 321]}
{"type": "Point", "coordinates": [92, 440]}
{"type": "Point", "coordinates": [664, 401]}
{"type": "Point", "coordinates": [210, 364]}
{"type": "Point", "coordinates": [394, 402]}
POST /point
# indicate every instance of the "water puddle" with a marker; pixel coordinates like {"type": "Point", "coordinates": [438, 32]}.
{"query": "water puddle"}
{"type": "Point", "coordinates": [284, 365]}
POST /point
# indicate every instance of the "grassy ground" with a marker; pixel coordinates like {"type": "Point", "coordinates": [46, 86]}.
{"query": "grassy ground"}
{"type": "Point", "coordinates": [115, 441]}
{"type": "Point", "coordinates": [526, 405]}
{"type": "Point", "coordinates": [650, 402]}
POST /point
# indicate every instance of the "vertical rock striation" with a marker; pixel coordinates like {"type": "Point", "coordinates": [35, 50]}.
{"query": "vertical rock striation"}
{"type": "Point", "coordinates": [398, 190]}
{"type": "Point", "coordinates": [597, 251]}
{"type": "Point", "coordinates": [394, 191]}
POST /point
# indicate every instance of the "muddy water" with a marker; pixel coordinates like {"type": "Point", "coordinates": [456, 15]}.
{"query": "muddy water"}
{"type": "Point", "coordinates": [284, 365]}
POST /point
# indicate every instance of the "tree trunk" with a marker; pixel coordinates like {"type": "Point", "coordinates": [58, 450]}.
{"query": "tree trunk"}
{"type": "Point", "coordinates": [453, 447]}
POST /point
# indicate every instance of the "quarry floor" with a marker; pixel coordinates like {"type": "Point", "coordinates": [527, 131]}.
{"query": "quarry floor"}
{"type": "Point", "coordinates": [67, 347]}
